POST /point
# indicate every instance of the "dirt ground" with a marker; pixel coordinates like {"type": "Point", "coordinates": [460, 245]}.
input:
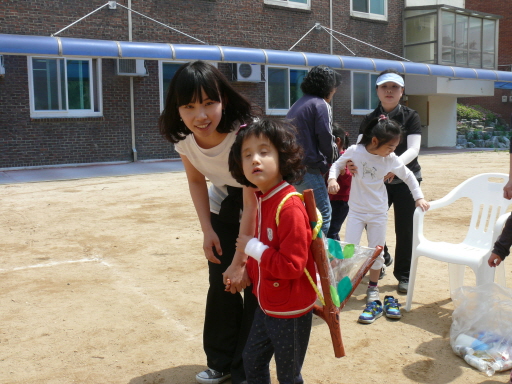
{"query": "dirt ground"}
{"type": "Point", "coordinates": [103, 281]}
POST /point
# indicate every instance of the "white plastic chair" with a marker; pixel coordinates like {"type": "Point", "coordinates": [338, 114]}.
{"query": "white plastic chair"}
{"type": "Point", "coordinates": [487, 220]}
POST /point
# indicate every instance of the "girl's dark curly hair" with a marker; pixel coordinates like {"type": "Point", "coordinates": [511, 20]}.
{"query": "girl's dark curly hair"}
{"type": "Point", "coordinates": [186, 87]}
{"type": "Point", "coordinates": [383, 129]}
{"type": "Point", "coordinates": [320, 81]}
{"type": "Point", "coordinates": [282, 135]}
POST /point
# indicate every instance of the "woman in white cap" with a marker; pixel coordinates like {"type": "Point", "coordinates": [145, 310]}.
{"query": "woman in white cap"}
{"type": "Point", "coordinates": [390, 88]}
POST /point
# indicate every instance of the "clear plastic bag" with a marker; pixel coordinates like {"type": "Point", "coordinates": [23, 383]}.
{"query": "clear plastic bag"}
{"type": "Point", "coordinates": [346, 267]}
{"type": "Point", "coordinates": [481, 332]}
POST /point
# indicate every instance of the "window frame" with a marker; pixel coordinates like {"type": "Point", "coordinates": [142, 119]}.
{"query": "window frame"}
{"type": "Point", "coordinates": [161, 80]}
{"type": "Point", "coordinates": [95, 90]}
{"type": "Point", "coordinates": [448, 21]}
{"type": "Point", "coordinates": [281, 111]}
{"type": "Point", "coordinates": [368, 15]}
{"type": "Point", "coordinates": [161, 77]}
{"type": "Point", "coordinates": [289, 4]}
{"type": "Point", "coordinates": [371, 88]}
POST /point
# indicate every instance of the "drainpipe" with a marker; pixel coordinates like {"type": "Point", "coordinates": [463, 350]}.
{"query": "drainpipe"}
{"type": "Point", "coordinates": [132, 99]}
{"type": "Point", "coordinates": [330, 22]}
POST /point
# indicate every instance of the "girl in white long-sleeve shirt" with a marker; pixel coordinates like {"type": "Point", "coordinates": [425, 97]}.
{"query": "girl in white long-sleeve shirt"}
{"type": "Point", "coordinates": [368, 200]}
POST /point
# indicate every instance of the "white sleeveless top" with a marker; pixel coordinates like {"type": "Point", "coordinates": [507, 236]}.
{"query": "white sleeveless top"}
{"type": "Point", "coordinates": [213, 164]}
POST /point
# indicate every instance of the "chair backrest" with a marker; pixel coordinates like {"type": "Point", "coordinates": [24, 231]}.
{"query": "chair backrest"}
{"type": "Point", "coordinates": [486, 193]}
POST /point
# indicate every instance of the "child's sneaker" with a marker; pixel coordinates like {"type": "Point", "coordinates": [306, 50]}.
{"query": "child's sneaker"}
{"type": "Point", "coordinates": [371, 313]}
{"type": "Point", "coordinates": [392, 307]}
{"type": "Point", "coordinates": [211, 376]}
{"type": "Point", "coordinates": [372, 294]}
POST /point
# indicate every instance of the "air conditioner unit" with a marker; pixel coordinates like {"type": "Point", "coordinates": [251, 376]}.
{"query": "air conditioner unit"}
{"type": "Point", "coordinates": [247, 72]}
{"type": "Point", "coordinates": [131, 67]}
{"type": "Point", "coordinates": [2, 68]}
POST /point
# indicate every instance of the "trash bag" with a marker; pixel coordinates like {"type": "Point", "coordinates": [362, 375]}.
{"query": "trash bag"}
{"type": "Point", "coordinates": [481, 331]}
{"type": "Point", "coordinates": [347, 266]}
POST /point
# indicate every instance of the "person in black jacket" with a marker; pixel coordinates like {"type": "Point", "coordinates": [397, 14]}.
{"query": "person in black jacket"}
{"type": "Point", "coordinates": [390, 88]}
{"type": "Point", "coordinates": [312, 116]}
{"type": "Point", "coordinates": [502, 245]}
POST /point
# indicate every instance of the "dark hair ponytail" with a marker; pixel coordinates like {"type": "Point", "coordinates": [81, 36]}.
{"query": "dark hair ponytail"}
{"type": "Point", "coordinates": [383, 129]}
{"type": "Point", "coordinates": [337, 131]}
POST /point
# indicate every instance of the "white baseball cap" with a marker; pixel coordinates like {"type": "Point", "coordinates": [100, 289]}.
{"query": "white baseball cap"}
{"type": "Point", "coordinates": [392, 77]}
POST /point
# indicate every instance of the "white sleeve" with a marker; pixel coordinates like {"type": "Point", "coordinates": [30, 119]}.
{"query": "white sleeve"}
{"type": "Point", "coordinates": [340, 164]}
{"type": "Point", "coordinates": [408, 178]}
{"type": "Point", "coordinates": [413, 148]}
{"type": "Point", "coordinates": [359, 137]}
{"type": "Point", "coordinates": [255, 249]}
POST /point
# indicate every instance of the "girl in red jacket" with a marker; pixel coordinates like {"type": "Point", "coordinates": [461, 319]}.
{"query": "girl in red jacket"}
{"type": "Point", "coordinates": [267, 156]}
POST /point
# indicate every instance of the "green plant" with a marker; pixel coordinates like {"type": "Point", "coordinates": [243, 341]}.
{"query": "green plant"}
{"type": "Point", "coordinates": [468, 113]}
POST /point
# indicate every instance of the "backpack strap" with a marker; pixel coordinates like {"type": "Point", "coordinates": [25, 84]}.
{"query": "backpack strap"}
{"type": "Point", "coordinates": [316, 230]}
{"type": "Point", "coordinates": [317, 225]}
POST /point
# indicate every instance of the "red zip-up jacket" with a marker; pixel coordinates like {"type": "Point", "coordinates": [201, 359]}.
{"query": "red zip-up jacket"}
{"type": "Point", "coordinates": [280, 254]}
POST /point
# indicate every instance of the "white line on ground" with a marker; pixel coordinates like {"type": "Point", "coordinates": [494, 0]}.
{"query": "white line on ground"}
{"type": "Point", "coordinates": [52, 264]}
{"type": "Point", "coordinates": [133, 287]}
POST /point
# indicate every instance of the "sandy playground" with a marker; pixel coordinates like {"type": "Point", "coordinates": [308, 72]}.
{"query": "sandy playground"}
{"type": "Point", "coordinates": [103, 280]}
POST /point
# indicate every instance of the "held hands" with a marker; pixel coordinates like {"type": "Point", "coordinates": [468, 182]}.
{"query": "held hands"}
{"type": "Point", "coordinates": [494, 260]}
{"type": "Point", "coordinates": [333, 187]}
{"type": "Point", "coordinates": [236, 277]}
{"type": "Point", "coordinates": [423, 204]}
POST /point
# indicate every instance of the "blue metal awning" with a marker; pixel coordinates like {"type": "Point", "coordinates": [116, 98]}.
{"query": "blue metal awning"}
{"type": "Point", "coordinates": [27, 45]}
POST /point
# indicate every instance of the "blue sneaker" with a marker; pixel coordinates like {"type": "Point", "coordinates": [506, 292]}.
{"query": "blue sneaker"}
{"type": "Point", "coordinates": [392, 307]}
{"type": "Point", "coordinates": [371, 313]}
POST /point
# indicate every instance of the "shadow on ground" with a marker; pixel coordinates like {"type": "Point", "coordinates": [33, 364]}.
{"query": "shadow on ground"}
{"type": "Point", "coordinates": [183, 374]}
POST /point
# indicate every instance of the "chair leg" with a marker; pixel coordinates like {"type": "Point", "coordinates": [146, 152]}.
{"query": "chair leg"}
{"type": "Point", "coordinates": [412, 281]}
{"type": "Point", "coordinates": [456, 275]}
{"type": "Point", "coordinates": [484, 274]}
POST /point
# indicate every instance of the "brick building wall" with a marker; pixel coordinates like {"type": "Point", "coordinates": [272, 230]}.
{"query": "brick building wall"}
{"type": "Point", "coordinates": [247, 23]}
{"type": "Point", "coordinates": [494, 103]}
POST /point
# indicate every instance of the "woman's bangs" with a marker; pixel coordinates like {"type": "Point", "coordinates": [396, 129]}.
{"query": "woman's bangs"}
{"type": "Point", "coordinates": [191, 89]}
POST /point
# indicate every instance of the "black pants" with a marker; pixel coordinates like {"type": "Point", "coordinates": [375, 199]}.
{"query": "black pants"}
{"type": "Point", "coordinates": [404, 206]}
{"type": "Point", "coordinates": [228, 316]}
{"type": "Point", "coordinates": [287, 339]}
{"type": "Point", "coordinates": [338, 216]}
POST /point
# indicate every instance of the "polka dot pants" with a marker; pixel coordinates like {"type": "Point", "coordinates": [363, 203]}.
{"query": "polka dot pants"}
{"type": "Point", "coordinates": [287, 339]}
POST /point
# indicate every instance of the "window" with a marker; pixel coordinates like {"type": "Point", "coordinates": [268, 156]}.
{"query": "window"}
{"type": "Point", "coordinates": [466, 38]}
{"type": "Point", "coordinates": [283, 88]}
{"type": "Point", "coordinates": [300, 4]}
{"type": "Point", "coordinates": [167, 71]}
{"type": "Point", "coordinates": [421, 37]}
{"type": "Point", "coordinates": [364, 96]}
{"type": "Point", "coordinates": [369, 9]}
{"type": "Point", "coordinates": [468, 41]}
{"type": "Point", "coordinates": [64, 87]}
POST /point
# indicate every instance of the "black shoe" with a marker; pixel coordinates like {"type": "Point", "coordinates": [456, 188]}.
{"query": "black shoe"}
{"type": "Point", "coordinates": [388, 260]}
{"type": "Point", "coordinates": [211, 376]}
{"type": "Point", "coordinates": [403, 286]}
{"type": "Point", "coordinates": [382, 272]}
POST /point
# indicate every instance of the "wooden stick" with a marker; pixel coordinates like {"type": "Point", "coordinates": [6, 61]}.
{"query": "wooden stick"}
{"type": "Point", "coordinates": [329, 312]}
